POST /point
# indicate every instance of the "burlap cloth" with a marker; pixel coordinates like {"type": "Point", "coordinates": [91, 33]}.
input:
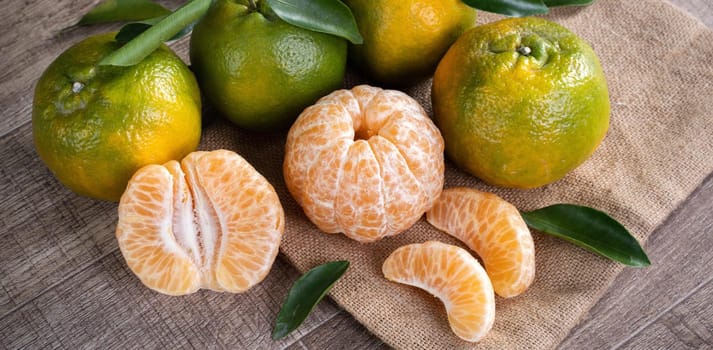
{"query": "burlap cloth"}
{"type": "Point", "coordinates": [659, 64]}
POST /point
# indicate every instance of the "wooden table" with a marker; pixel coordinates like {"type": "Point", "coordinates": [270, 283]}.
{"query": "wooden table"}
{"type": "Point", "coordinates": [63, 283]}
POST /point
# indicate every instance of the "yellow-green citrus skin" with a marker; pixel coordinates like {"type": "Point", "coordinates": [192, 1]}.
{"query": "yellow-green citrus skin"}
{"type": "Point", "coordinates": [405, 39]}
{"type": "Point", "coordinates": [520, 102]}
{"type": "Point", "coordinates": [94, 126]}
{"type": "Point", "coordinates": [259, 71]}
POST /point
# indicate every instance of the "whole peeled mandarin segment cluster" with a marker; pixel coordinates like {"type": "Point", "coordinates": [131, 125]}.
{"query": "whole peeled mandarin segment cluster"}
{"type": "Point", "coordinates": [494, 229]}
{"type": "Point", "coordinates": [211, 221]}
{"type": "Point", "coordinates": [452, 275]}
{"type": "Point", "coordinates": [366, 162]}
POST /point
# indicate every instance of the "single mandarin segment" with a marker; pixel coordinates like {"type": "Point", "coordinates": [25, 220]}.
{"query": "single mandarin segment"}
{"type": "Point", "coordinates": [211, 221]}
{"type": "Point", "coordinates": [405, 39]}
{"type": "Point", "coordinates": [259, 71]}
{"type": "Point", "coordinates": [366, 162]}
{"type": "Point", "coordinates": [520, 102]}
{"type": "Point", "coordinates": [452, 275]}
{"type": "Point", "coordinates": [494, 229]}
{"type": "Point", "coordinates": [94, 126]}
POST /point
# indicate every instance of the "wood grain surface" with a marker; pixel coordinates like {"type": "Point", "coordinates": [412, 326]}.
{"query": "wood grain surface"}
{"type": "Point", "coordinates": [63, 283]}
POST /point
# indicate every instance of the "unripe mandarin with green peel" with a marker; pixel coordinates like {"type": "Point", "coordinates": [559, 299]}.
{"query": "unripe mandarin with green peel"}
{"type": "Point", "coordinates": [520, 102]}
{"type": "Point", "coordinates": [405, 39]}
{"type": "Point", "coordinates": [93, 126]}
{"type": "Point", "coordinates": [259, 71]}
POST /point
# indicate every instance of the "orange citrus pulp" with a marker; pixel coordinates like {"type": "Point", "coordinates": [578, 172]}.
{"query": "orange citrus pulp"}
{"type": "Point", "coordinates": [366, 162]}
{"type": "Point", "coordinates": [452, 275]}
{"type": "Point", "coordinates": [211, 221]}
{"type": "Point", "coordinates": [494, 229]}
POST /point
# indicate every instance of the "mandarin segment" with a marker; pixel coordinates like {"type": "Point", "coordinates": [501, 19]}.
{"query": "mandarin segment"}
{"type": "Point", "coordinates": [251, 223]}
{"type": "Point", "coordinates": [363, 95]}
{"type": "Point", "coordinates": [382, 106]}
{"type": "Point", "coordinates": [350, 101]}
{"type": "Point", "coordinates": [309, 138]}
{"type": "Point", "coordinates": [211, 222]}
{"type": "Point", "coordinates": [145, 233]}
{"type": "Point", "coordinates": [297, 167]}
{"type": "Point", "coordinates": [319, 147]}
{"type": "Point", "coordinates": [418, 140]}
{"type": "Point", "coordinates": [494, 229]}
{"type": "Point", "coordinates": [323, 184]}
{"type": "Point", "coordinates": [366, 162]}
{"type": "Point", "coordinates": [406, 200]}
{"type": "Point", "coordinates": [360, 202]}
{"type": "Point", "coordinates": [452, 275]}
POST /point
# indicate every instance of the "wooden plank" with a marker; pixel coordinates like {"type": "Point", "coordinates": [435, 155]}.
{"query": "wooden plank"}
{"type": "Point", "coordinates": [681, 261]}
{"type": "Point", "coordinates": [340, 332]}
{"type": "Point", "coordinates": [46, 232]}
{"type": "Point", "coordinates": [106, 306]}
{"type": "Point", "coordinates": [30, 41]}
{"type": "Point", "coordinates": [687, 326]}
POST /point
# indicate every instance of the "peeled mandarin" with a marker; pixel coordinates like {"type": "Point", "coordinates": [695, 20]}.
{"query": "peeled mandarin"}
{"type": "Point", "coordinates": [366, 162]}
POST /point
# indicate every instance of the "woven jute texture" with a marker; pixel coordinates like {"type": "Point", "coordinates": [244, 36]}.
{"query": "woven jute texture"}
{"type": "Point", "coordinates": [658, 149]}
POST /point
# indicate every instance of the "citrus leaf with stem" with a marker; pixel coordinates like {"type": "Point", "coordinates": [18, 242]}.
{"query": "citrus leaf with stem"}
{"type": "Point", "coordinates": [146, 42]}
{"type": "Point", "coordinates": [324, 16]}
{"type": "Point", "coordinates": [590, 229]}
{"type": "Point", "coordinates": [132, 30]}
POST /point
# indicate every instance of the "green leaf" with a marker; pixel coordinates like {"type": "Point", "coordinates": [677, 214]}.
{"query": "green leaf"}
{"type": "Point", "coordinates": [515, 8]}
{"type": "Point", "coordinates": [305, 294]}
{"type": "Point", "coordinates": [132, 30]}
{"type": "Point", "coordinates": [137, 49]}
{"type": "Point", "coordinates": [590, 229]}
{"type": "Point", "coordinates": [123, 10]}
{"type": "Point", "coordinates": [555, 3]}
{"type": "Point", "coordinates": [324, 16]}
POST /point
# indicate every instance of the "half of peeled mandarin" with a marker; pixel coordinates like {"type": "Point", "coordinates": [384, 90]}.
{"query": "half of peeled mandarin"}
{"type": "Point", "coordinates": [211, 221]}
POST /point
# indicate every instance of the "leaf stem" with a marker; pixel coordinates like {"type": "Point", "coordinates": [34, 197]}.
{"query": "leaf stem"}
{"type": "Point", "coordinates": [143, 45]}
